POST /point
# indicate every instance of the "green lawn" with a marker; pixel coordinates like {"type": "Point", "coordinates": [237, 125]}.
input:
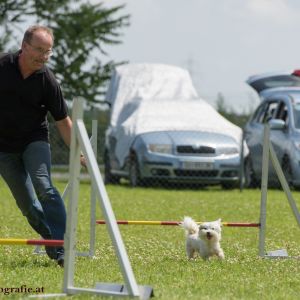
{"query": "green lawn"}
{"type": "Point", "coordinates": [157, 253]}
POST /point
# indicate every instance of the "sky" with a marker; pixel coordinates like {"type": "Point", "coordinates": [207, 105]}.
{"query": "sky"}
{"type": "Point", "coordinates": [220, 42]}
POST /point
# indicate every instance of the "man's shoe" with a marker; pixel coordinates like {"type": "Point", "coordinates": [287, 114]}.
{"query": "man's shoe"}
{"type": "Point", "coordinates": [61, 259]}
{"type": "Point", "coordinates": [51, 252]}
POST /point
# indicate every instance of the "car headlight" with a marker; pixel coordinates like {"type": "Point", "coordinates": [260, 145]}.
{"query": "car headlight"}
{"type": "Point", "coordinates": [160, 148]}
{"type": "Point", "coordinates": [228, 151]}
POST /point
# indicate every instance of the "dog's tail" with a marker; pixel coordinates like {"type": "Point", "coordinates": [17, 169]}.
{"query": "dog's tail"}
{"type": "Point", "coordinates": [189, 225]}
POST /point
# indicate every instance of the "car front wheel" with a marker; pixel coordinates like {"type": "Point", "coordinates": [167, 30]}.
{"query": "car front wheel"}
{"type": "Point", "coordinates": [134, 172]}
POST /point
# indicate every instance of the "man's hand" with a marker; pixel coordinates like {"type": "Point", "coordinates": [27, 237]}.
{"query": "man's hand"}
{"type": "Point", "coordinates": [83, 161]}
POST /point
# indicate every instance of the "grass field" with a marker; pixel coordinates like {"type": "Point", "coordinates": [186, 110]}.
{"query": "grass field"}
{"type": "Point", "coordinates": [157, 253]}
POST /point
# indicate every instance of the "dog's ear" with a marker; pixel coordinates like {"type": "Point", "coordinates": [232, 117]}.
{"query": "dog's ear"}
{"type": "Point", "coordinates": [220, 221]}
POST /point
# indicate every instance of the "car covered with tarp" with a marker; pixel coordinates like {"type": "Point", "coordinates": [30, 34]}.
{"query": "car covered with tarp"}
{"type": "Point", "coordinates": [161, 130]}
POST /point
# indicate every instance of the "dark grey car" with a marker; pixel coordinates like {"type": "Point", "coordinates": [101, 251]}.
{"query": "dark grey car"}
{"type": "Point", "coordinates": [280, 94]}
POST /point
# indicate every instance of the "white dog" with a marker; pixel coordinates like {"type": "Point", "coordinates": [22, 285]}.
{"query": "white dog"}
{"type": "Point", "coordinates": [204, 238]}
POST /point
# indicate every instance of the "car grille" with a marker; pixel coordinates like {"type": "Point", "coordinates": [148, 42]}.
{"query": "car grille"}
{"type": "Point", "coordinates": [196, 173]}
{"type": "Point", "coordinates": [187, 149]}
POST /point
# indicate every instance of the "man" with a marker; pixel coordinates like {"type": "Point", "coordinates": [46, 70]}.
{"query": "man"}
{"type": "Point", "coordinates": [28, 91]}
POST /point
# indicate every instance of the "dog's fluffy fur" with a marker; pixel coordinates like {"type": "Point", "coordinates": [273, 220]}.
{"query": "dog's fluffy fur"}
{"type": "Point", "coordinates": [203, 239]}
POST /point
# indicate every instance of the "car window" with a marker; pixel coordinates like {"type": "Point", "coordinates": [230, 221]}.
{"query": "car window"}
{"type": "Point", "coordinates": [296, 111]}
{"type": "Point", "coordinates": [282, 113]}
{"type": "Point", "coordinates": [268, 113]}
{"type": "Point", "coordinates": [258, 113]}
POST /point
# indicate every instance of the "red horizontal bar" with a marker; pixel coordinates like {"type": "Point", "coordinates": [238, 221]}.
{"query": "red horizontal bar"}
{"type": "Point", "coordinates": [169, 223]}
{"type": "Point", "coordinates": [50, 243]}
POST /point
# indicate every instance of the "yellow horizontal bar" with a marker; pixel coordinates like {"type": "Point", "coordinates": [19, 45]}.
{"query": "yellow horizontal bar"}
{"type": "Point", "coordinates": [13, 242]}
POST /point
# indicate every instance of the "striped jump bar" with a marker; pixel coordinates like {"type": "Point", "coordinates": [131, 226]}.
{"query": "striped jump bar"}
{"type": "Point", "coordinates": [50, 243]}
{"type": "Point", "coordinates": [174, 223]}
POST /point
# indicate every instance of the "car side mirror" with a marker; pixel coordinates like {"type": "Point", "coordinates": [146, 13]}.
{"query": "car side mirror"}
{"type": "Point", "coordinates": [277, 124]}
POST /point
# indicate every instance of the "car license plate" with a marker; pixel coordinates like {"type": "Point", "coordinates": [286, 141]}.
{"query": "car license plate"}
{"type": "Point", "coordinates": [197, 165]}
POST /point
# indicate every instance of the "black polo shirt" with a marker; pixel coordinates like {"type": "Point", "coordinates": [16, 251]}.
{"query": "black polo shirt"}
{"type": "Point", "coordinates": [24, 104]}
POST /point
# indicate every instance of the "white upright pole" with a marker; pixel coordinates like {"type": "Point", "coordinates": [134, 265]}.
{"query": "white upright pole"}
{"type": "Point", "coordinates": [264, 191]}
{"type": "Point", "coordinates": [93, 192]}
{"type": "Point", "coordinates": [70, 235]}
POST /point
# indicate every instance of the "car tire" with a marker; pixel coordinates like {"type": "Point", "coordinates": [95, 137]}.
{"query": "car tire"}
{"type": "Point", "coordinates": [287, 170]}
{"type": "Point", "coordinates": [134, 172]}
{"type": "Point", "coordinates": [109, 178]}
{"type": "Point", "coordinates": [250, 179]}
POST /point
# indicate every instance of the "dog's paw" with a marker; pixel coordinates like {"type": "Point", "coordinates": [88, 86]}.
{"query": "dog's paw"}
{"type": "Point", "coordinates": [220, 254]}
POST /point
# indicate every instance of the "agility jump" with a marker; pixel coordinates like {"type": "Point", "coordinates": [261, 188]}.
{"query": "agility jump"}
{"type": "Point", "coordinates": [54, 243]}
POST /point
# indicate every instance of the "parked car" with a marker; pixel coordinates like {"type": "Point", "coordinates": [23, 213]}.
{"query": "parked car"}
{"type": "Point", "coordinates": [280, 95]}
{"type": "Point", "coordinates": [160, 130]}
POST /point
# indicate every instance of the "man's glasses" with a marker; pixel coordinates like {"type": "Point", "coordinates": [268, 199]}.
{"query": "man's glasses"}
{"type": "Point", "coordinates": [41, 51]}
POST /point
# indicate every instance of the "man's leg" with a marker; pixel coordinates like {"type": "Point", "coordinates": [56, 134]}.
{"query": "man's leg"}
{"type": "Point", "coordinates": [18, 180]}
{"type": "Point", "coordinates": [37, 161]}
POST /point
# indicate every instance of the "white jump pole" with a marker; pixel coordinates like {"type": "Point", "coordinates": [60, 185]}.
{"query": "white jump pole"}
{"type": "Point", "coordinates": [269, 153]}
{"type": "Point", "coordinates": [264, 191]}
{"type": "Point", "coordinates": [130, 289]}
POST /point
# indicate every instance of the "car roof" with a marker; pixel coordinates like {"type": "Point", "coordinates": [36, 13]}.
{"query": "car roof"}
{"type": "Point", "coordinates": [134, 83]}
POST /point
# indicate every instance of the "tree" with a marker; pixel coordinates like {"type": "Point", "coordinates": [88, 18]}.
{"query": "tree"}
{"type": "Point", "coordinates": [238, 119]}
{"type": "Point", "coordinates": [220, 104]}
{"type": "Point", "coordinates": [81, 30]}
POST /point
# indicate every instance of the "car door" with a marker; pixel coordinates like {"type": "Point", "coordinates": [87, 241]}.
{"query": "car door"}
{"type": "Point", "coordinates": [254, 133]}
{"type": "Point", "coordinates": [280, 138]}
